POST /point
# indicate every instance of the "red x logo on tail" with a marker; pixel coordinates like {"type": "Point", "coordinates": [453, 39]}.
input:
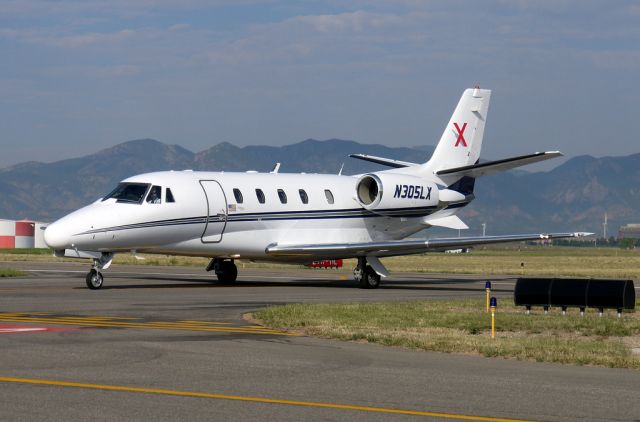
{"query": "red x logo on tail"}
{"type": "Point", "coordinates": [461, 139]}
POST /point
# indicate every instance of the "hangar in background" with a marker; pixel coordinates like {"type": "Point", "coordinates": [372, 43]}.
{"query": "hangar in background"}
{"type": "Point", "coordinates": [629, 231]}
{"type": "Point", "coordinates": [22, 234]}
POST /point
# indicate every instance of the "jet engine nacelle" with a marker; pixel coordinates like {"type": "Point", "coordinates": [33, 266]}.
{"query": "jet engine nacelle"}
{"type": "Point", "coordinates": [394, 194]}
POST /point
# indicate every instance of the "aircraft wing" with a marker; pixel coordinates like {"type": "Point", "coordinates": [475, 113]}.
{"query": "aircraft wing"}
{"type": "Point", "coordinates": [490, 167]}
{"type": "Point", "coordinates": [402, 247]}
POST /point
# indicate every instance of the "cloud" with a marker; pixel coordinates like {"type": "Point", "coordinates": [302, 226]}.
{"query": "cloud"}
{"type": "Point", "coordinates": [117, 8]}
{"type": "Point", "coordinates": [90, 39]}
{"type": "Point", "coordinates": [358, 21]}
{"type": "Point", "coordinates": [54, 39]}
{"type": "Point", "coordinates": [180, 27]}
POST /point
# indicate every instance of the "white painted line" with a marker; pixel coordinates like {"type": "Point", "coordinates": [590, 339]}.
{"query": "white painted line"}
{"type": "Point", "coordinates": [146, 273]}
{"type": "Point", "coordinates": [54, 271]}
{"type": "Point", "coordinates": [20, 330]}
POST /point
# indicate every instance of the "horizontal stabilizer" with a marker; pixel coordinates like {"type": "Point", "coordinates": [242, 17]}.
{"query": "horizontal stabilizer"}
{"type": "Point", "coordinates": [450, 222]}
{"type": "Point", "coordinates": [384, 161]}
{"type": "Point", "coordinates": [490, 167]}
{"type": "Point", "coordinates": [402, 247]}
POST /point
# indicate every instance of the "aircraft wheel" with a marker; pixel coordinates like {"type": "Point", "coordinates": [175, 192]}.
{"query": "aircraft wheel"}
{"type": "Point", "coordinates": [228, 272]}
{"type": "Point", "coordinates": [371, 279]}
{"type": "Point", "coordinates": [94, 279]}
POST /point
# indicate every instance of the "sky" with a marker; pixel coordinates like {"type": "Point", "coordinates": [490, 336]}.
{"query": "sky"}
{"type": "Point", "coordinates": [80, 76]}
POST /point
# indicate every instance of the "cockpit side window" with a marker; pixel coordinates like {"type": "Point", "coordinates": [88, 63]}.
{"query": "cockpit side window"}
{"type": "Point", "coordinates": [170, 196]}
{"type": "Point", "coordinates": [155, 195]}
{"type": "Point", "coordinates": [131, 193]}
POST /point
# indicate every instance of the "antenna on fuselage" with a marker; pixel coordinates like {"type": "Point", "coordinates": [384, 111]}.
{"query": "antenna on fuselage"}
{"type": "Point", "coordinates": [276, 168]}
{"type": "Point", "coordinates": [340, 172]}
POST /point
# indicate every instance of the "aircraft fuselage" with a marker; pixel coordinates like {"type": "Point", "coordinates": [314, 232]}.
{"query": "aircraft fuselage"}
{"type": "Point", "coordinates": [220, 214]}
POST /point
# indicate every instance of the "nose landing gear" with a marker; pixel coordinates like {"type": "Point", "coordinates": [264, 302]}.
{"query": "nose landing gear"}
{"type": "Point", "coordinates": [94, 277]}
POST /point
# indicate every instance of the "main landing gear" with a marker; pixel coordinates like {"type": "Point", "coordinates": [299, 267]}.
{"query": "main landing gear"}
{"type": "Point", "coordinates": [94, 277]}
{"type": "Point", "coordinates": [225, 270]}
{"type": "Point", "coordinates": [365, 275]}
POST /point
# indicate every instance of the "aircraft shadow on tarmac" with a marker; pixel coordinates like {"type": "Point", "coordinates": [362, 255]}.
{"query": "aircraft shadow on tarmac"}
{"type": "Point", "coordinates": [185, 283]}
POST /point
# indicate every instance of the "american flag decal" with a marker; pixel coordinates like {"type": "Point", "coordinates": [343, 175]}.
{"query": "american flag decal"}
{"type": "Point", "coordinates": [232, 207]}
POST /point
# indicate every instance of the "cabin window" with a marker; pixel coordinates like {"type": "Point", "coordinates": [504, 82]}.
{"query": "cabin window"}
{"type": "Point", "coordinates": [238, 195]}
{"type": "Point", "coordinates": [170, 196]}
{"type": "Point", "coordinates": [155, 195]}
{"type": "Point", "coordinates": [260, 195]}
{"type": "Point", "coordinates": [329, 196]}
{"type": "Point", "coordinates": [131, 193]}
{"type": "Point", "coordinates": [282, 195]}
{"type": "Point", "coordinates": [303, 196]}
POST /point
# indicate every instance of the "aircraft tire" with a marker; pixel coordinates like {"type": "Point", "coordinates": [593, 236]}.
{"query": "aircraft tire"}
{"type": "Point", "coordinates": [228, 273]}
{"type": "Point", "coordinates": [370, 279]}
{"type": "Point", "coordinates": [94, 279]}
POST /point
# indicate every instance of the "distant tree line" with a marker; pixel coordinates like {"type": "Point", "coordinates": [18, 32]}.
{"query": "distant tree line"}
{"type": "Point", "coordinates": [600, 242]}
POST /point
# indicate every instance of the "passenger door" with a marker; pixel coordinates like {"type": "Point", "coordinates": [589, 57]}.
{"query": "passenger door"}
{"type": "Point", "coordinates": [217, 211]}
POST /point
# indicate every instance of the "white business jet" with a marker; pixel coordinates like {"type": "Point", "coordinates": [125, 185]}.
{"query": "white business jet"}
{"type": "Point", "coordinates": [294, 218]}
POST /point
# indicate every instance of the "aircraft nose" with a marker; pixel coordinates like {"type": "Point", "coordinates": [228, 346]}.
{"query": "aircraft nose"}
{"type": "Point", "coordinates": [56, 236]}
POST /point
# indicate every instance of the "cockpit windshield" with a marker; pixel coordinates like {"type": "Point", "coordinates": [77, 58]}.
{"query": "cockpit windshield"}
{"type": "Point", "coordinates": [131, 193]}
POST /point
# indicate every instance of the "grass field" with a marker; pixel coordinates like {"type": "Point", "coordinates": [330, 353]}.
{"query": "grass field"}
{"type": "Point", "coordinates": [10, 272]}
{"type": "Point", "coordinates": [537, 260]}
{"type": "Point", "coordinates": [25, 251]}
{"type": "Point", "coordinates": [463, 326]}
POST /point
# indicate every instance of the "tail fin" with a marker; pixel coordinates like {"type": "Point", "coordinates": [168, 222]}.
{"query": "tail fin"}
{"type": "Point", "coordinates": [461, 141]}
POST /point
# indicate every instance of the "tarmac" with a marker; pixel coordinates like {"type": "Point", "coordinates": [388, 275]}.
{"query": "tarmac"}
{"type": "Point", "coordinates": [170, 343]}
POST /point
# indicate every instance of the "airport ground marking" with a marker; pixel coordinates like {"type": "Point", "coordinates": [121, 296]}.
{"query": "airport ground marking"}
{"type": "Point", "coordinates": [373, 409]}
{"type": "Point", "coordinates": [159, 325]}
{"type": "Point", "coordinates": [90, 323]}
{"type": "Point", "coordinates": [22, 329]}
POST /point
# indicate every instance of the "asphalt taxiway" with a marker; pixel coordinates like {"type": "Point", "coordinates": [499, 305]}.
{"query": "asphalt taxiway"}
{"type": "Point", "coordinates": [166, 343]}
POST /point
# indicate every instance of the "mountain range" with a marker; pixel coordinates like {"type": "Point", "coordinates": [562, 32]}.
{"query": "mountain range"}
{"type": "Point", "coordinates": [572, 197]}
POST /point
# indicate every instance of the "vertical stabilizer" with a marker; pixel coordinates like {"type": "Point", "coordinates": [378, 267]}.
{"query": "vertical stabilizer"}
{"type": "Point", "coordinates": [461, 141]}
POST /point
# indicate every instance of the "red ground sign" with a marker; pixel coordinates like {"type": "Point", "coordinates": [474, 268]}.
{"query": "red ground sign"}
{"type": "Point", "coordinates": [326, 263]}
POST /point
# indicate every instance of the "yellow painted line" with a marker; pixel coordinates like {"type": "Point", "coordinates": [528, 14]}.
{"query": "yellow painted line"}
{"type": "Point", "coordinates": [71, 318]}
{"type": "Point", "coordinates": [168, 326]}
{"type": "Point", "coordinates": [142, 325]}
{"type": "Point", "coordinates": [99, 321]}
{"type": "Point", "coordinates": [256, 399]}
{"type": "Point", "coordinates": [204, 322]}
{"type": "Point", "coordinates": [100, 317]}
